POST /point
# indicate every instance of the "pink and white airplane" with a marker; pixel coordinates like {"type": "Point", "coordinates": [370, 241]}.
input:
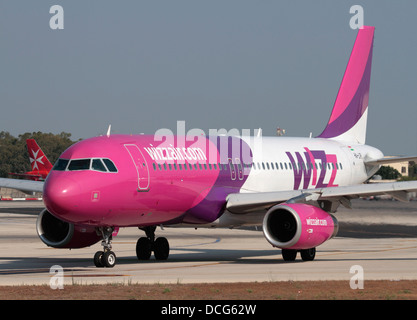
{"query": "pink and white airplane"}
{"type": "Point", "coordinates": [289, 186]}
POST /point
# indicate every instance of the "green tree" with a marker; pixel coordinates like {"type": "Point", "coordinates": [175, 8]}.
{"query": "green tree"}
{"type": "Point", "coordinates": [389, 173]}
{"type": "Point", "coordinates": [14, 156]}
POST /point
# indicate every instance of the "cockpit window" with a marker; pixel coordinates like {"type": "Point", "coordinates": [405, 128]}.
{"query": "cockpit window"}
{"type": "Point", "coordinates": [82, 164]}
{"type": "Point", "coordinates": [60, 165]}
{"type": "Point", "coordinates": [96, 164]}
{"type": "Point", "coordinates": [110, 165]}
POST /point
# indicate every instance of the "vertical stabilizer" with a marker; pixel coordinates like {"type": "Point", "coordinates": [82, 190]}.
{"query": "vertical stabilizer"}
{"type": "Point", "coordinates": [350, 111]}
{"type": "Point", "coordinates": [38, 160]}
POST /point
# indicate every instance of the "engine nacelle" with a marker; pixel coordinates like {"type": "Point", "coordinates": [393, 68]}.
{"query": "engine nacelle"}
{"type": "Point", "coordinates": [60, 234]}
{"type": "Point", "coordinates": [298, 226]}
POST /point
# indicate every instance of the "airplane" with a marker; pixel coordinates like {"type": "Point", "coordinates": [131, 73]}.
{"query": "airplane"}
{"type": "Point", "coordinates": [38, 161]}
{"type": "Point", "coordinates": [289, 186]}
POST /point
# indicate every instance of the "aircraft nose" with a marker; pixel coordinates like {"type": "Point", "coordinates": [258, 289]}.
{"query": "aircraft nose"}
{"type": "Point", "coordinates": [61, 196]}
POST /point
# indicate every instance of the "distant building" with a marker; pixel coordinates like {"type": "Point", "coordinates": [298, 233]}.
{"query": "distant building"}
{"type": "Point", "coordinates": [401, 167]}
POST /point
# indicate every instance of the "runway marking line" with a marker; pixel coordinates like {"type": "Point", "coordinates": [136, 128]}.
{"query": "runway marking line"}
{"type": "Point", "coordinates": [367, 251]}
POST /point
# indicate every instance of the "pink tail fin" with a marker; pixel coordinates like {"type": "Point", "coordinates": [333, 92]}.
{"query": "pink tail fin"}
{"type": "Point", "coordinates": [349, 116]}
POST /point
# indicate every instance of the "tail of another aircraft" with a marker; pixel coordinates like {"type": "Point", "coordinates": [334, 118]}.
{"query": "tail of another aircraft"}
{"type": "Point", "coordinates": [38, 160]}
{"type": "Point", "coordinates": [350, 111]}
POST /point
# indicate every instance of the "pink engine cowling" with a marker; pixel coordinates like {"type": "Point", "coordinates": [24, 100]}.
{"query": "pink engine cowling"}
{"type": "Point", "coordinates": [60, 234]}
{"type": "Point", "coordinates": [298, 226]}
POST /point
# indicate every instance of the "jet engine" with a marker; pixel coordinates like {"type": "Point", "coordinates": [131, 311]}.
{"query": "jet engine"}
{"type": "Point", "coordinates": [298, 226]}
{"type": "Point", "coordinates": [60, 234]}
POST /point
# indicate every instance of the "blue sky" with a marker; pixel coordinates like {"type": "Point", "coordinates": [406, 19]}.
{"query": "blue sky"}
{"type": "Point", "coordinates": [144, 65]}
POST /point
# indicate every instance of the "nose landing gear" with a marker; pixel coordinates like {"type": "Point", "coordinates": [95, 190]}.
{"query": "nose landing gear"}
{"type": "Point", "coordinates": [105, 258]}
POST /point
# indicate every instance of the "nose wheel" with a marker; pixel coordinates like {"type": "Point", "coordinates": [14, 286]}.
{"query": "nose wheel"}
{"type": "Point", "coordinates": [146, 245]}
{"type": "Point", "coordinates": [105, 258]}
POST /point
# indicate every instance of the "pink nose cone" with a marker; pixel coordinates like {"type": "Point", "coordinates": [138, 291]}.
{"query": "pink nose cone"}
{"type": "Point", "coordinates": [61, 197]}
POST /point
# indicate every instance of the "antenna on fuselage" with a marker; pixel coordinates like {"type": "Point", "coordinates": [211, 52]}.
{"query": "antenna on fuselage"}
{"type": "Point", "coordinates": [259, 134]}
{"type": "Point", "coordinates": [108, 131]}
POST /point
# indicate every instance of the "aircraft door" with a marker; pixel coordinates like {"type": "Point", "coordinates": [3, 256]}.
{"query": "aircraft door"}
{"type": "Point", "coordinates": [141, 165]}
{"type": "Point", "coordinates": [232, 169]}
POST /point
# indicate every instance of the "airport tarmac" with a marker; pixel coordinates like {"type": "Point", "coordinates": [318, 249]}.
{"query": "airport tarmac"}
{"type": "Point", "coordinates": [379, 236]}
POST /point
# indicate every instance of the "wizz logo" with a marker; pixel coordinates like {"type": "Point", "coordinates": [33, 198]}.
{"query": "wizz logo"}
{"type": "Point", "coordinates": [305, 168]}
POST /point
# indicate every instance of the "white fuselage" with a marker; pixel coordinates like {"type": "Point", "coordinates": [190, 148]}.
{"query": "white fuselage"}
{"type": "Point", "coordinates": [281, 163]}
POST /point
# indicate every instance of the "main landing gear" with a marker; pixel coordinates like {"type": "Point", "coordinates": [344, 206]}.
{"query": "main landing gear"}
{"type": "Point", "coordinates": [105, 258]}
{"type": "Point", "coordinates": [146, 245]}
{"type": "Point", "coordinates": [306, 254]}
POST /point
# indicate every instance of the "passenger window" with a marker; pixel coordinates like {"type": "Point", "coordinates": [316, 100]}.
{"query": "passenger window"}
{"type": "Point", "coordinates": [110, 165]}
{"type": "Point", "coordinates": [61, 165]}
{"type": "Point", "coordinates": [83, 164]}
{"type": "Point", "coordinates": [98, 165]}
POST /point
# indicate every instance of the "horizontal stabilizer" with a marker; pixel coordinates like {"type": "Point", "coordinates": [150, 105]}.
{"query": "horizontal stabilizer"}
{"type": "Point", "coordinates": [389, 160]}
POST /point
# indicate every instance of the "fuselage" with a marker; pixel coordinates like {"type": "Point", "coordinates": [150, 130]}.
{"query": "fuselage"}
{"type": "Point", "coordinates": [143, 180]}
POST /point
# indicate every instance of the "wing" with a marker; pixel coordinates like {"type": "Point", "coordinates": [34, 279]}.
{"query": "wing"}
{"type": "Point", "coordinates": [23, 185]}
{"type": "Point", "coordinates": [242, 203]}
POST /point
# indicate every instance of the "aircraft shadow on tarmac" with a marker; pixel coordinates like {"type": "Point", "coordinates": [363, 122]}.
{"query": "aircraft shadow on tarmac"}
{"type": "Point", "coordinates": [30, 265]}
{"type": "Point", "coordinates": [369, 231]}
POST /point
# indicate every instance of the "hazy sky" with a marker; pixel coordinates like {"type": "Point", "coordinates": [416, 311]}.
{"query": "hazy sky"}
{"type": "Point", "coordinates": [143, 65]}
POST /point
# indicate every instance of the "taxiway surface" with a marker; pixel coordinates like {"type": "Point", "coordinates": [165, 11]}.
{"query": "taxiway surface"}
{"type": "Point", "coordinates": [379, 236]}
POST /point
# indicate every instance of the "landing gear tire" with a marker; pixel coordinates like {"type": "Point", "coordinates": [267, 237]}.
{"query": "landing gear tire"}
{"type": "Point", "coordinates": [146, 245]}
{"type": "Point", "coordinates": [108, 259]}
{"type": "Point", "coordinates": [97, 259]}
{"type": "Point", "coordinates": [308, 254]}
{"type": "Point", "coordinates": [161, 249]}
{"type": "Point", "coordinates": [143, 248]}
{"type": "Point", "coordinates": [288, 254]}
